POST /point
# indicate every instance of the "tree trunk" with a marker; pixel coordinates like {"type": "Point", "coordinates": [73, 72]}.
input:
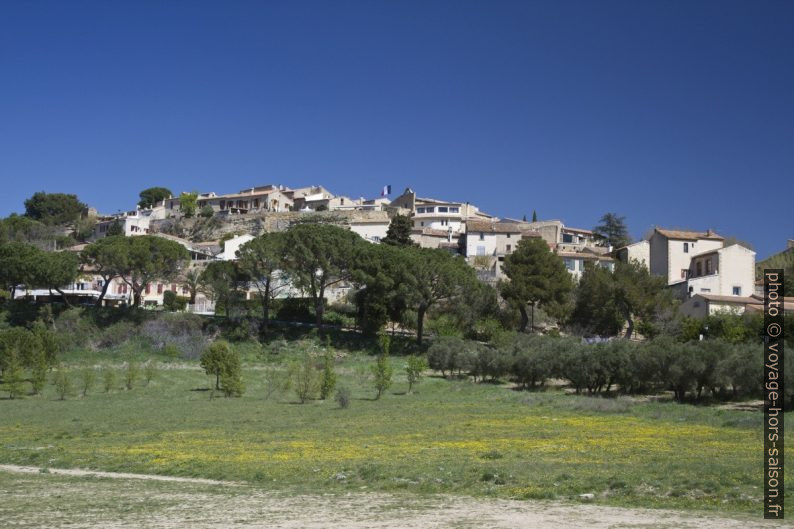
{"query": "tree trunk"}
{"type": "Point", "coordinates": [136, 297]}
{"type": "Point", "coordinates": [63, 297]}
{"type": "Point", "coordinates": [217, 381]}
{"type": "Point", "coordinates": [420, 323]}
{"type": "Point", "coordinates": [532, 321]}
{"type": "Point", "coordinates": [319, 309]}
{"type": "Point", "coordinates": [101, 298]}
{"type": "Point", "coordinates": [266, 307]}
{"type": "Point", "coordinates": [524, 318]}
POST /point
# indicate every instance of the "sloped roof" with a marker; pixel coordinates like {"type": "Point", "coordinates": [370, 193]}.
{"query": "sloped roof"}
{"type": "Point", "coordinates": [492, 227]}
{"type": "Point", "coordinates": [690, 235]}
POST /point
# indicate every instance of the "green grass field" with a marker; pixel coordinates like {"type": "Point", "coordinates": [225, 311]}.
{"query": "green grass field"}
{"type": "Point", "coordinates": [448, 436]}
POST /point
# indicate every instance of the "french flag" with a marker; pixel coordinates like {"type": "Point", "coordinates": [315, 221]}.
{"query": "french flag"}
{"type": "Point", "coordinates": [385, 191]}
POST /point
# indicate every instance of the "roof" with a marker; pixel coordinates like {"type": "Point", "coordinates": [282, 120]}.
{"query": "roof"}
{"type": "Point", "coordinates": [585, 255]}
{"type": "Point", "coordinates": [492, 227]}
{"type": "Point", "coordinates": [435, 201]}
{"type": "Point", "coordinates": [578, 230]}
{"type": "Point", "coordinates": [433, 232]}
{"type": "Point", "coordinates": [690, 235]}
{"type": "Point", "coordinates": [729, 299]}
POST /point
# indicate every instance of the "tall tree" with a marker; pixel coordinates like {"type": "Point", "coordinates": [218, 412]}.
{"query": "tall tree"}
{"type": "Point", "coordinates": [115, 229]}
{"type": "Point", "coordinates": [55, 270]}
{"type": "Point", "coordinates": [536, 277]}
{"type": "Point", "coordinates": [534, 216]}
{"type": "Point", "coordinates": [18, 265]}
{"type": "Point", "coordinates": [318, 256]}
{"type": "Point", "coordinates": [595, 309]}
{"type": "Point", "coordinates": [379, 269]}
{"type": "Point", "coordinates": [431, 277]}
{"type": "Point", "coordinates": [613, 229]}
{"type": "Point", "coordinates": [260, 261]}
{"type": "Point", "coordinates": [638, 293]}
{"type": "Point", "coordinates": [53, 208]}
{"type": "Point", "coordinates": [151, 196]}
{"type": "Point", "coordinates": [188, 203]}
{"type": "Point", "coordinates": [101, 258]}
{"type": "Point", "coordinates": [399, 232]}
{"type": "Point", "coordinates": [222, 280]}
{"type": "Point", "coordinates": [144, 259]}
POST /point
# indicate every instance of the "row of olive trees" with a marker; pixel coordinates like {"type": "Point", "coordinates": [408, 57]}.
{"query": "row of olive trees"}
{"type": "Point", "coordinates": [691, 370]}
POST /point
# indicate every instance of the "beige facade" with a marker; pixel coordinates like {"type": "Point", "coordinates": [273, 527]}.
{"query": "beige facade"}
{"type": "Point", "coordinates": [671, 251]}
{"type": "Point", "coordinates": [638, 251]}
{"type": "Point", "coordinates": [728, 271]}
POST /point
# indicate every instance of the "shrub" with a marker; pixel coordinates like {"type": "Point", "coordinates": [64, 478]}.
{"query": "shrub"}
{"type": "Point", "coordinates": [329, 377]}
{"type": "Point", "coordinates": [177, 331]}
{"type": "Point", "coordinates": [342, 397]}
{"type": "Point", "coordinates": [62, 382]}
{"type": "Point", "coordinates": [442, 354]}
{"type": "Point", "coordinates": [533, 361]}
{"type": "Point", "coordinates": [87, 379]}
{"type": "Point", "coordinates": [149, 371]}
{"type": "Point", "coordinates": [108, 378]}
{"type": "Point", "coordinates": [39, 373]}
{"type": "Point", "coordinates": [223, 361]}
{"type": "Point", "coordinates": [172, 302]}
{"type": "Point", "coordinates": [131, 374]}
{"type": "Point", "coordinates": [414, 367]}
{"type": "Point", "coordinates": [305, 380]}
{"type": "Point", "coordinates": [382, 372]}
{"type": "Point", "coordinates": [12, 376]}
{"type": "Point", "coordinates": [274, 381]}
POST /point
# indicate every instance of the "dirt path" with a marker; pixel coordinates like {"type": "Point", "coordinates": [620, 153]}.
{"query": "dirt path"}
{"type": "Point", "coordinates": [89, 500]}
{"type": "Point", "coordinates": [113, 475]}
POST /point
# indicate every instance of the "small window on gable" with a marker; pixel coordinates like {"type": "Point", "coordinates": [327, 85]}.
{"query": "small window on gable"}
{"type": "Point", "coordinates": [482, 236]}
{"type": "Point", "coordinates": [737, 291]}
{"type": "Point", "coordinates": [686, 247]}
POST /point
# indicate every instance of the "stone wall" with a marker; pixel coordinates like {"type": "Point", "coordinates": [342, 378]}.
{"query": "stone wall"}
{"type": "Point", "coordinates": [199, 229]}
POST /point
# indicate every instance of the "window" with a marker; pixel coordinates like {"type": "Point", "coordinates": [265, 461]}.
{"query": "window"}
{"type": "Point", "coordinates": [444, 222]}
{"type": "Point", "coordinates": [508, 248]}
{"type": "Point", "coordinates": [341, 201]}
{"type": "Point", "coordinates": [443, 209]}
{"type": "Point", "coordinates": [375, 238]}
{"type": "Point", "coordinates": [173, 287]}
{"type": "Point", "coordinates": [454, 210]}
{"type": "Point", "coordinates": [508, 235]}
{"type": "Point", "coordinates": [708, 266]}
{"type": "Point", "coordinates": [148, 288]}
{"type": "Point", "coordinates": [185, 289]}
{"type": "Point", "coordinates": [481, 250]}
{"type": "Point", "coordinates": [420, 210]}
{"type": "Point", "coordinates": [737, 291]}
{"type": "Point", "coordinates": [567, 237]}
{"type": "Point", "coordinates": [570, 264]}
{"type": "Point", "coordinates": [698, 269]}
{"type": "Point", "coordinates": [430, 210]}
{"type": "Point", "coordinates": [223, 204]}
{"type": "Point", "coordinates": [705, 290]}
{"type": "Point", "coordinates": [256, 203]}
{"type": "Point", "coordinates": [686, 247]}
{"type": "Point", "coordinates": [159, 288]}
{"type": "Point", "coordinates": [422, 223]}
{"type": "Point", "coordinates": [482, 236]}
{"type": "Point", "coordinates": [684, 273]}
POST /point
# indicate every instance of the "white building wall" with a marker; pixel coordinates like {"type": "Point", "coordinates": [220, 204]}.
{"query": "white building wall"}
{"type": "Point", "coordinates": [370, 231]}
{"type": "Point", "coordinates": [737, 269]}
{"type": "Point", "coordinates": [480, 243]}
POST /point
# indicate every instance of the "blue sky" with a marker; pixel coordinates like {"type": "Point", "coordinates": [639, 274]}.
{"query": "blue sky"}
{"type": "Point", "coordinates": [678, 114]}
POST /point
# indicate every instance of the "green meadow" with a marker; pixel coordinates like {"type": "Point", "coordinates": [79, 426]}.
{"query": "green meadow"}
{"type": "Point", "coordinates": [447, 436]}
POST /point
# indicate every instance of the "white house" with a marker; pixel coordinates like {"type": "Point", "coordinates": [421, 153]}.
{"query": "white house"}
{"type": "Point", "coordinates": [638, 251]}
{"type": "Point", "coordinates": [671, 251]}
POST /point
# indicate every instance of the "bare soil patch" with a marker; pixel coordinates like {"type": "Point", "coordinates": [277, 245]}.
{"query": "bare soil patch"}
{"type": "Point", "coordinates": [91, 500]}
